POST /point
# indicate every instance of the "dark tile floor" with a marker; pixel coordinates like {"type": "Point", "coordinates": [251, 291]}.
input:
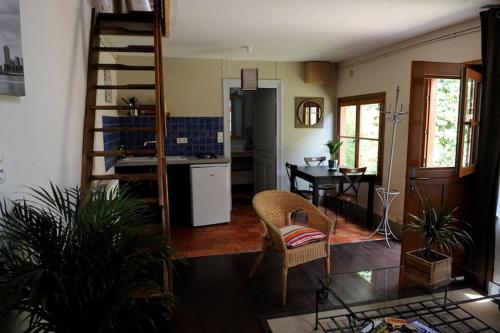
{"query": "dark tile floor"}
{"type": "Point", "coordinates": [216, 295]}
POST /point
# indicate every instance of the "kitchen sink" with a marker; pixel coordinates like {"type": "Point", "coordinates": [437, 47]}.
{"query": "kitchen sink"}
{"type": "Point", "coordinates": [139, 159]}
{"type": "Point", "coordinates": [176, 158]}
{"type": "Point", "coordinates": [147, 160]}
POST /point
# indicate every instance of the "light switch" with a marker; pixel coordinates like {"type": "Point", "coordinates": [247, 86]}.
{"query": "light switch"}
{"type": "Point", "coordinates": [3, 174]}
{"type": "Point", "coordinates": [1, 157]}
{"type": "Point", "coordinates": [220, 137]}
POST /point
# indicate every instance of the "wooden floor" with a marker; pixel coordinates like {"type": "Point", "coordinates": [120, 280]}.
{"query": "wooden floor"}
{"type": "Point", "coordinates": [244, 232]}
{"type": "Point", "coordinates": [216, 295]}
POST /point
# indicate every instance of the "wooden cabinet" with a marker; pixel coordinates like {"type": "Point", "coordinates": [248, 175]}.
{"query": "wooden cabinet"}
{"type": "Point", "coordinates": [319, 72]}
{"type": "Point", "coordinates": [178, 188]}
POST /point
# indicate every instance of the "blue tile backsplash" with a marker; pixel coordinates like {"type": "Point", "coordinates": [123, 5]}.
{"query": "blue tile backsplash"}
{"type": "Point", "coordinates": [201, 134]}
{"type": "Point", "coordinates": [112, 140]}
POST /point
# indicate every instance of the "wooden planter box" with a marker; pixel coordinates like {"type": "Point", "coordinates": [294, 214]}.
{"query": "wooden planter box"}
{"type": "Point", "coordinates": [427, 274]}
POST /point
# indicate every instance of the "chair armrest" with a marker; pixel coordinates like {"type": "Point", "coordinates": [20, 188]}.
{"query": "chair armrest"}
{"type": "Point", "coordinates": [320, 221]}
{"type": "Point", "coordinates": [275, 237]}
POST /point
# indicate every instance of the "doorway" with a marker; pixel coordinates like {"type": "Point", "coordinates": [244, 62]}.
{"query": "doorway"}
{"type": "Point", "coordinates": [252, 128]}
{"type": "Point", "coordinates": [258, 138]}
{"type": "Point", "coordinates": [442, 141]}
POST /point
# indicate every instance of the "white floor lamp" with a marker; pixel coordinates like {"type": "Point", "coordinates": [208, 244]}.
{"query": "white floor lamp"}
{"type": "Point", "coordinates": [386, 194]}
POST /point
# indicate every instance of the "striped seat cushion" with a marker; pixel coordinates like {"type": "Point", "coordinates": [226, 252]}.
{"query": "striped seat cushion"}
{"type": "Point", "coordinates": [297, 235]}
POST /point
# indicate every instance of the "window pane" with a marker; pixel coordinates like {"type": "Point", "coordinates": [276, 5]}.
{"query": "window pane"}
{"type": "Point", "coordinates": [467, 146]}
{"type": "Point", "coordinates": [347, 152]}
{"type": "Point", "coordinates": [348, 120]}
{"type": "Point", "coordinates": [369, 120]}
{"type": "Point", "coordinates": [471, 99]}
{"type": "Point", "coordinates": [368, 155]}
{"type": "Point", "coordinates": [442, 114]}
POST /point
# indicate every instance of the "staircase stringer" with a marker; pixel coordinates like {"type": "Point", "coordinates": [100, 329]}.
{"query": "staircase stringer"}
{"type": "Point", "coordinates": [161, 121]}
{"type": "Point", "coordinates": [89, 117]}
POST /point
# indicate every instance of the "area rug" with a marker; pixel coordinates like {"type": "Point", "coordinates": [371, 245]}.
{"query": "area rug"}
{"type": "Point", "coordinates": [486, 311]}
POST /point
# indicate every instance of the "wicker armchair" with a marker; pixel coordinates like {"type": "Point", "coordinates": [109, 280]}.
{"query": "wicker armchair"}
{"type": "Point", "coordinates": [274, 209]}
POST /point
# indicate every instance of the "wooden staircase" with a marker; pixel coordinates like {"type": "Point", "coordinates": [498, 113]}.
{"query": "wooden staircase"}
{"type": "Point", "coordinates": [152, 24]}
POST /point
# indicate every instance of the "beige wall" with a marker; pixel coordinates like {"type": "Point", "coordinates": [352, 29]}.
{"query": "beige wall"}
{"type": "Point", "coordinates": [194, 88]}
{"type": "Point", "coordinates": [387, 72]}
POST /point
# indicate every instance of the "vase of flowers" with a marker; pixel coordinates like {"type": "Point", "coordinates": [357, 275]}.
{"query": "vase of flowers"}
{"type": "Point", "coordinates": [333, 148]}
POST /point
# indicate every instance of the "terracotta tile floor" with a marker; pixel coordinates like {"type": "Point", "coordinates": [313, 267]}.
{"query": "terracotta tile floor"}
{"type": "Point", "coordinates": [244, 233]}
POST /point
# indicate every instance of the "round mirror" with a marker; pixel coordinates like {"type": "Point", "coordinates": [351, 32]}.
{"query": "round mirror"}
{"type": "Point", "coordinates": [309, 113]}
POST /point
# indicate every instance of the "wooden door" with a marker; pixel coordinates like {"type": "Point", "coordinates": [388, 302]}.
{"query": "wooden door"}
{"type": "Point", "coordinates": [433, 153]}
{"type": "Point", "coordinates": [265, 140]}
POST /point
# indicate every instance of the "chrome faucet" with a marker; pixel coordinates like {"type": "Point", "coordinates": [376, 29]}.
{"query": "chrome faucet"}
{"type": "Point", "coordinates": [146, 143]}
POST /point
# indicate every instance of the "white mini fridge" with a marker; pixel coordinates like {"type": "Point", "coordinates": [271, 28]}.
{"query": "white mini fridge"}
{"type": "Point", "coordinates": [210, 193]}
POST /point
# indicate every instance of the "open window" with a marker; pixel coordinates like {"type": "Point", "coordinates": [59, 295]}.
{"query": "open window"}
{"type": "Point", "coordinates": [451, 125]}
{"type": "Point", "coordinates": [469, 121]}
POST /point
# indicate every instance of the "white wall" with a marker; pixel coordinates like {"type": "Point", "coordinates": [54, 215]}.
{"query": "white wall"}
{"type": "Point", "coordinates": [41, 133]}
{"type": "Point", "coordinates": [386, 72]}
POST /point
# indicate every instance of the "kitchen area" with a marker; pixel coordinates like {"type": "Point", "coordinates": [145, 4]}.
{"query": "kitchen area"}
{"type": "Point", "coordinates": [198, 172]}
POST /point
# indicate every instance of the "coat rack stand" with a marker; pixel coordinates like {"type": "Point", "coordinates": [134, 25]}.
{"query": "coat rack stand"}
{"type": "Point", "coordinates": [386, 194]}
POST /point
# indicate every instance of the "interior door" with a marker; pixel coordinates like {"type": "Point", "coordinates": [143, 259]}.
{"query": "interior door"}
{"type": "Point", "coordinates": [435, 121]}
{"type": "Point", "coordinates": [265, 140]}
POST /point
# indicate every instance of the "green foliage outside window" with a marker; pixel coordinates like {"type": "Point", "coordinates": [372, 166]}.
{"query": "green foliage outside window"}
{"type": "Point", "coordinates": [445, 141]}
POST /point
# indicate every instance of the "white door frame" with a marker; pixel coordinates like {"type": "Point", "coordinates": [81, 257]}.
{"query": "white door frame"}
{"type": "Point", "coordinates": [227, 84]}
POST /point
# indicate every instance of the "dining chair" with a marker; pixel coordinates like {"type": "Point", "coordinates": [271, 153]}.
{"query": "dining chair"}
{"type": "Point", "coordinates": [318, 161]}
{"type": "Point", "coordinates": [306, 194]}
{"type": "Point", "coordinates": [349, 194]}
{"type": "Point", "coordinates": [298, 244]}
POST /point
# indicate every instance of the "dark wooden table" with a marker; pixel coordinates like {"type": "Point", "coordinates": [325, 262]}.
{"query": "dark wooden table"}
{"type": "Point", "coordinates": [317, 175]}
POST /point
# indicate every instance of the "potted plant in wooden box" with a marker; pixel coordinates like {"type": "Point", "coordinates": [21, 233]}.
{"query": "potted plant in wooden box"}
{"type": "Point", "coordinates": [333, 148]}
{"type": "Point", "coordinates": [440, 232]}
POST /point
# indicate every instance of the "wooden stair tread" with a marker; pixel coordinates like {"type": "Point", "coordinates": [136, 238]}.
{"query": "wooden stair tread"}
{"type": "Point", "coordinates": [126, 86]}
{"type": "Point", "coordinates": [130, 48]}
{"type": "Point", "coordinates": [122, 67]}
{"type": "Point", "coordinates": [122, 107]}
{"type": "Point", "coordinates": [127, 17]}
{"type": "Point", "coordinates": [124, 129]}
{"type": "Point", "coordinates": [126, 176]}
{"type": "Point", "coordinates": [116, 30]}
{"type": "Point", "coordinates": [141, 152]}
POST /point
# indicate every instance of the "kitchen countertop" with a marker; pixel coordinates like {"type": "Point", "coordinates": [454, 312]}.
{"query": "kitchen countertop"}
{"type": "Point", "coordinates": [169, 160]}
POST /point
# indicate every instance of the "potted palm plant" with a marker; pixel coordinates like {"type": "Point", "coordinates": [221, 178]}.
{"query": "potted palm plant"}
{"type": "Point", "coordinates": [74, 261]}
{"type": "Point", "coordinates": [333, 148]}
{"type": "Point", "coordinates": [440, 232]}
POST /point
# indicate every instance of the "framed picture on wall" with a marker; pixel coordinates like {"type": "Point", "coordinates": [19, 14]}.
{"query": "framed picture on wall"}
{"type": "Point", "coordinates": [309, 112]}
{"type": "Point", "coordinates": [11, 53]}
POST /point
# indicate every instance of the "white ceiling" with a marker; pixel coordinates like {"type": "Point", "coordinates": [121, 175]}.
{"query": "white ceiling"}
{"type": "Point", "coordinates": [300, 30]}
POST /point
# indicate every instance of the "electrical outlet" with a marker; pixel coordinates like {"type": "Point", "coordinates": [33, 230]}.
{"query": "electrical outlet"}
{"type": "Point", "coordinates": [220, 137]}
{"type": "Point", "coordinates": [182, 140]}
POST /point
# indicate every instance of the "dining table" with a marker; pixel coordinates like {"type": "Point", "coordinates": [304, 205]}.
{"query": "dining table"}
{"type": "Point", "coordinates": [319, 175]}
